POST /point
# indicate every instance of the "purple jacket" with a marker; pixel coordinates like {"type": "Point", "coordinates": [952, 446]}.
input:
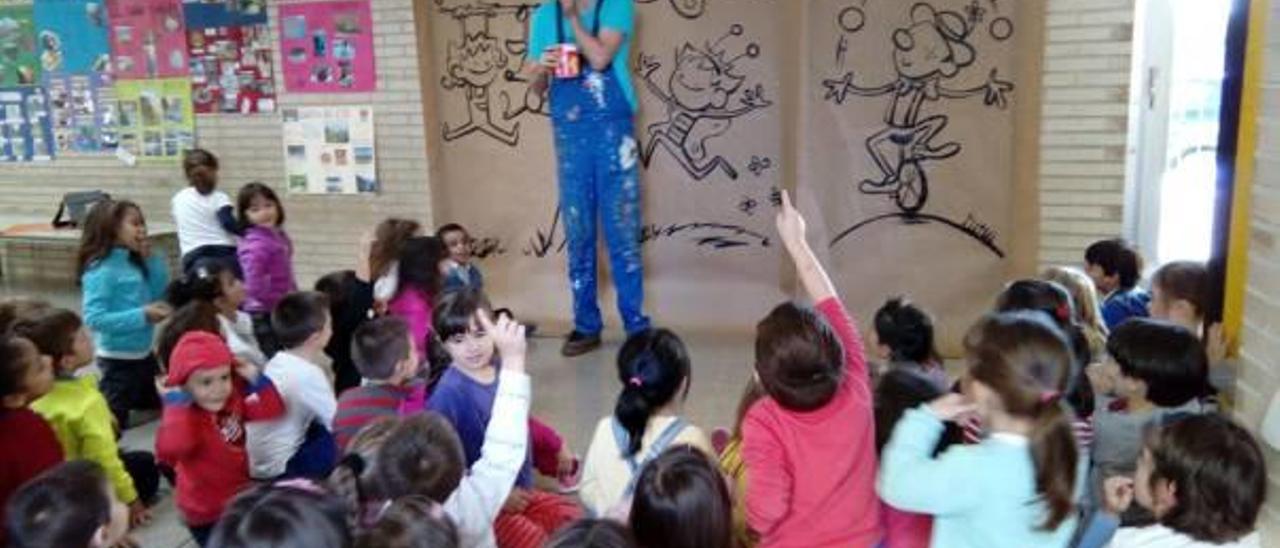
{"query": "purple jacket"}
{"type": "Point", "coordinates": [266, 257]}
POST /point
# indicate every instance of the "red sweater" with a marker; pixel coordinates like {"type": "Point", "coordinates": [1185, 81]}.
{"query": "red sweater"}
{"type": "Point", "coordinates": [811, 476]}
{"type": "Point", "coordinates": [207, 449]}
{"type": "Point", "coordinates": [27, 448]}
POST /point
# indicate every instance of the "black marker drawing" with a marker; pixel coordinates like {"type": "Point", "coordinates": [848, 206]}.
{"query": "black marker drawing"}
{"type": "Point", "coordinates": [688, 9]}
{"type": "Point", "coordinates": [759, 165]}
{"type": "Point", "coordinates": [930, 51]}
{"type": "Point", "coordinates": [477, 63]}
{"type": "Point", "coordinates": [971, 227]}
{"type": "Point", "coordinates": [702, 96]}
{"type": "Point", "coordinates": [710, 235]}
{"type": "Point", "coordinates": [748, 205]}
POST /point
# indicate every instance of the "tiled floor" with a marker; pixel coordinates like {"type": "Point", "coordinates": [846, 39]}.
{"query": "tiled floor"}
{"type": "Point", "coordinates": [570, 394]}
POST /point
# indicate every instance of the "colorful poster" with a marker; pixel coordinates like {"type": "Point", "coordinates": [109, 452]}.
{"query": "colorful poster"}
{"type": "Point", "coordinates": [147, 39]}
{"type": "Point", "coordinates": [84, 118]}
{"type": "Point", "coordinates": [72, 36]}
{"type": "Point", "coordinates": [19, 64]}
{"type": "Point", "coordinates": [327, 47]}
{"type": "Point", "coordinates": [25, 133]}
{"type": "Point", "coordinates": [330, 150]}
{"type": "Point", "coordinates": [231, 63]}
{"type": "Point", "coordinates": [155, 119]}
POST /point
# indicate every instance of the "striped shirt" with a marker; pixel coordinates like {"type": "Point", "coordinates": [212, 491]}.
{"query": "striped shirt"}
{"type": "Point", "coordinates": [361, 405]}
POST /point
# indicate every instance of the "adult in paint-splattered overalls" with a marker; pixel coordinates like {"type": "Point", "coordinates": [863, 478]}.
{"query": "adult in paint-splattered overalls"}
{"type": "Point", "coordinates": [596, 154]}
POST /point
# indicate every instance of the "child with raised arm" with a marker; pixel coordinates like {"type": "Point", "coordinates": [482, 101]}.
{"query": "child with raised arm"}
{"type": "Point", "coordinates": [809, 444]}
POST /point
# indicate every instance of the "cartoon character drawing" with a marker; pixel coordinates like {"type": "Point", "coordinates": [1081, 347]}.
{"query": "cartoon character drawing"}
{"type": "Point", "coordinates": [688, 9]}
{"type": "Point", "coordinates": [475, 65]}
{"type": "Point", "coordinates": [930, 51]}
{"type": "Point", "coordinates": [50, 50]}
{"type": "Point", "coordinates": [697, 97]}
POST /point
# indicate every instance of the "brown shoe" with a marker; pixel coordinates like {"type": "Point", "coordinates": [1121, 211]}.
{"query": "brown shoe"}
{"type": "Point", "coordinates": [577, 344]}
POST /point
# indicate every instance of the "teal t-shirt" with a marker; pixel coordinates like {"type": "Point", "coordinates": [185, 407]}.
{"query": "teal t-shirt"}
{"type": "Point", "coordinates": [618, 16]}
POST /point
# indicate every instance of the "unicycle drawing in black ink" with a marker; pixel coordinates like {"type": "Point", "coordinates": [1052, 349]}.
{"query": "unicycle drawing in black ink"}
{"type": "Point", "coordinates": [927, 53]}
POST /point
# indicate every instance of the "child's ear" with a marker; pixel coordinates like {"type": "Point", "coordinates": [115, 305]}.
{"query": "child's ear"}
{"type": "Point", "coordinates": [1165, 494]}
{"type": "Point", "coordinates": [1183, 308]}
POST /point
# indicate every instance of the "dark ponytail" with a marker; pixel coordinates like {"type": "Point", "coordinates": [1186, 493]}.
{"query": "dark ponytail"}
{"type": "Point", "coordinates": [203, 283]}
{"type": "Point", "coordinates": [1054, 451]}
{"type": "Point", "coordinates": [652, 365]}
{"type": "Point", "coordinates": [906, 330]}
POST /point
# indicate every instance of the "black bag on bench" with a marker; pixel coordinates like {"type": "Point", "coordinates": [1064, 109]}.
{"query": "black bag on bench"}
{"type": "Point", "coordinates": [75, 206]}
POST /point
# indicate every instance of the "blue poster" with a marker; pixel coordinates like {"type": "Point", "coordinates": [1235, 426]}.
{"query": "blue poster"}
{"type": "Point", "coordinates": [223, 13]}
{"type": "Point", "coordinates": [72, 35]}
{"type": "Point", "coordinates": [26, 132]}
{"type": "Point", "coordinates": [83, 121]}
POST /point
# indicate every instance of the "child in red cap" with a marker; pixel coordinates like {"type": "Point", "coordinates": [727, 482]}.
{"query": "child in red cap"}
{"type": "Point", "coordinates": [202, 431]}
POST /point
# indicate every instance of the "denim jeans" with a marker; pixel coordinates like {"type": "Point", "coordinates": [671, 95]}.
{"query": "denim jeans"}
{"type": "Point", "coordinates": [598, 164]}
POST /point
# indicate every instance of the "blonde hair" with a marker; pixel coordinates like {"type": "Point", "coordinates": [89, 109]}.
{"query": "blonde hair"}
{"type": "Point", "coordinates": [1085, 298]}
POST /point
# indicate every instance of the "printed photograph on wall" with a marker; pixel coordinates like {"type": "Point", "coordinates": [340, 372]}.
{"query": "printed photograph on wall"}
{"type": "Point", "coordinates": [84, 118]}
{"type": "Point", "coordinates": [148, 39]}
{"type": "Point", "coordinates": [25, 131]}
{"type": "Point", "coordinates": [72, 36]}
{"type": "Point", "coordinates": [229, 47]}
{"type": "Point", "coordinates": [19, 63]}
{"type": "Point", "coordinates": [327, 47]}
{"type": "Point", "coordinates": [155, 119]}
{"type": "Point", "coordinates": [330, 150]}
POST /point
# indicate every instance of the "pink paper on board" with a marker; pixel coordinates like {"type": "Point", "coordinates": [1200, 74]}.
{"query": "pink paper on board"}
{"type": "Point", "coordinates": [148, 39]}
{"type": "Point", "coordinates": [327, 47]}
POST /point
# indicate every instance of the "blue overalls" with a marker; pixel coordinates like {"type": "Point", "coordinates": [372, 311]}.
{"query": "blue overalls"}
{"type": "Point", "coordinates": [598, 166]}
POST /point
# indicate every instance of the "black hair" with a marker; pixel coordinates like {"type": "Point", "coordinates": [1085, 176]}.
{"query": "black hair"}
{"type": "Point", "coordinates": [298, 316]}
{"type": "Point", "coordinates": [378, 345]}
{"type": "Point", "coordinates": [420, 264]}
{"type": "Point", "coordinates": [652, 366]}
{"type": "Point", "coordinates": [292, 514]}
{"type": "Point", "coordinates": [52, 331]}
{"type": "Point", "coordinates": [906, 330]}
{"type": "Point", "coordinates": [197, 158]}
{"type": "Point", "coordinates": [202, 283]}
{"type": "Point", "coordinates": [17, 355]}
{"type": "Point", "coordinates": [1219, 474]}
{"type": "Point", "coordinates": [336, 286]}
{"type": "Point", "coordinates": [1167, 357]}
{"type": "Point", "coordinates": [101, 233]}
{"type": "Point", "coordinates": [455, 310]}
{"type": "Point", "coordinates": [65, 506]}
{"type": "Point", "coordinates": [1054, 301]}
{"type": "Point", "coordinates": [593, 533]}
{"type": "Point", "coordinates": [450, 227]}
{"type": "Point", "coordinates": [1116, 258]}
{"type": "Point", "coordinates": [193, 316]}
{"type": "Point", "coordinates": [245, 199]}
{"type": "Point", "coordinates": [681, 501]}
{"type": "Point", "coordinates": [898, 390]}
{"type": "Point", "coordinates": [799, 358]}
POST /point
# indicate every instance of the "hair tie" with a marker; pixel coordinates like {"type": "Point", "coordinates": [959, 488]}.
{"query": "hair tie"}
{"type": "Point", "coordinates": [1049, 396]}
{"type": "Point", "coordinates": [301, 484]}
{"type": "Point", "coordinates": [636, 381]}
{"type": "Point", "coordinates": [1064, 313]}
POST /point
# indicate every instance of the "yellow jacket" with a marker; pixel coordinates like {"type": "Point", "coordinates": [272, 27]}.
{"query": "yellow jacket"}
{"type": "Point", "coordinates": [84, 426]}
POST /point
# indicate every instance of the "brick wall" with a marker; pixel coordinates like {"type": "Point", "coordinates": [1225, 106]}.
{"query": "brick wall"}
{"type": "Point", "coordinates": [250, 148]}
{"type": "Point", "coordinates": [1260, 352]}
{"type": "Point", "coordinates": [1088, 49]}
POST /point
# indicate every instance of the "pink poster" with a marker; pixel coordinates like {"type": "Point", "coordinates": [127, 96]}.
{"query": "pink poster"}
{"type": "Point", "coordinates": [148, 39]}
{"type": "Point", "coordinates": [327, 47]}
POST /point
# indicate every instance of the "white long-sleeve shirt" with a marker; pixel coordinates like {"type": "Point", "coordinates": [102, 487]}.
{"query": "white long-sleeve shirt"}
{"type": "Point", "coordinates": [240, 338]}
{"type": "Point", "coordinates": [483, 491]}
{"type": "Point", "coordinates": [308, 396]}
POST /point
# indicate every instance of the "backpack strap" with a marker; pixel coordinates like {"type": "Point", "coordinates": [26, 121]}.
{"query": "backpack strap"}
{"type": "Point", "coordinates": [659, 445]}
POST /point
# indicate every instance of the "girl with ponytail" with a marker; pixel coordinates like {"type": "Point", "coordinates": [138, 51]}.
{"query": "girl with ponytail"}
{"type": "Point", "coordinates": [1018, 486]}
{"type": "Point", "coordinates": [213, 289]}
{"type": "Point", "coordinates": [653, 368]}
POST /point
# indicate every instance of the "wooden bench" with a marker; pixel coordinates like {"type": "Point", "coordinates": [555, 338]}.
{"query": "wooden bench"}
{"type": "Point", "coordinates": [164, 239]}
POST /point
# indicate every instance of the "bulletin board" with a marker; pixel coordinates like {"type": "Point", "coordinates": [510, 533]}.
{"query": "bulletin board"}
{"type": "Point", "coordinates": [148, 39]}
{"type": "Point", "coordinates": [330, 150]}
{"type": "Point", "coordinates": [72, 36]}
{"type": "Point", "coordinates": [19, 63]}
{"type": "Point", "coordinates": [156, 123]}
{"type": "Point", "coordinates": [83, 114]}
{"type": "Point", "coordinates": [25, 131]}
{"type": "Point", "coordinates": [327, 47]}
{"type": "Point", "coordinates": [232, 70]}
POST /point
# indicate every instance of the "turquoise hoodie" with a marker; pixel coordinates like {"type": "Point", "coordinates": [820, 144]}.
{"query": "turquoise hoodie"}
{"type": "Point", "coordinates": [115, 292]}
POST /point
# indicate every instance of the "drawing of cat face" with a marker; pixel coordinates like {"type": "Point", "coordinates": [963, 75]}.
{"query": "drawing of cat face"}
{"type": "Point", "coordinates": [935, 44]}
{"type": "Point", "coordinates": [477, 60]}
{"type": "Point", "coordinates": [701, 80]}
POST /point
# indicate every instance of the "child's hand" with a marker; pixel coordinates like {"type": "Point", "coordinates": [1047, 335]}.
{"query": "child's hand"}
{"type": "Point", "coordinates": [139, 514]}
{"type": "Point", "coordinates": [1216, 344]}
{"type": "Point", "coordinates": [517, 501]}
{"type": "Point", "coordinates": [791, 225]}
{"type": "Point", "coordinates": [164, 391]}
{"type": "Point", "coordinates": [157, 312]}
{"type": "Point", "coordinates": [570, 8]}
{"type": "Point", "coordinates": [550, 58]}
{"type": "Point", "coordinates": [1117, 494]}
{"type": "Point", "coordinates": [952, 407]}
{"type": "Point", "coordinates": [246, 370]}
{"type": "Point", "coordinates": [509, 337]}
{"type": "Point", "coordinates": [364, 265]}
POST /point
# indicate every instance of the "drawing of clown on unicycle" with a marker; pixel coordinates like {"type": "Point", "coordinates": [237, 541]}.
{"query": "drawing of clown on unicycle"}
{"type": "Point", "coordinates": [931, 50]}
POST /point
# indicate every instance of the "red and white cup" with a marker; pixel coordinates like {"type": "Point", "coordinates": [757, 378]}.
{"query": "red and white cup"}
{"type": "Point", "coordinates": [568, 60]}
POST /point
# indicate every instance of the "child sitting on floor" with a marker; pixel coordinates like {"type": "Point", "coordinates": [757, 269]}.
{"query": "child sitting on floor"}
{"type": "Point", "coordinates": [1116, 268]}
{"type": "Point", "coordinates": [384, 354]}
{"type": "Point", "coordinates": [69, 506]}
{"type": "Point", "coordinates": [27, 443]}
{"type": "Point", "coordinates": [903, 338]}
{"type": "Point", "coordinates": [681, 501]}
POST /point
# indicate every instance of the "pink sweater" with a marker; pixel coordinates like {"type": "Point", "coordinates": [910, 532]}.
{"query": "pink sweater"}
{"type": "Point", "coordinates": [811, 476]}
{"type": "Point", "coordinates": [414, 307]}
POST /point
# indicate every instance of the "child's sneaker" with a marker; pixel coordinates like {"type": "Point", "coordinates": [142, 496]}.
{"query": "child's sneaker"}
{"type": "Point", "coordinates": [571, 480]}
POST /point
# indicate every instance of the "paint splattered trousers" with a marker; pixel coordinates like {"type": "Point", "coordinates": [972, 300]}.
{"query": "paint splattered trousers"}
{"type": "Point", "coordinates": [598, 164]}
